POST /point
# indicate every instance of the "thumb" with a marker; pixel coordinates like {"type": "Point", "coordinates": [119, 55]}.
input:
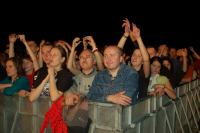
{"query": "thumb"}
{"type": "Point", "coordinates": [122, 92]}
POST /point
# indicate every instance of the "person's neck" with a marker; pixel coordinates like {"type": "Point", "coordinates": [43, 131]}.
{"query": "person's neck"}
{"type": "Point", "coordinates": [153, 75]}
{"type": "Point", "coordinates": [13, 78]}
{"type": "Point", "coordinates": [88, 71]}
{"type": "Point", "coordinates": [29, 72]}
{"type": "Point", "coordinates": [137, 68]}
{"type": "Point", "coordinates": [113, 72]}
{"type": "Point", "coordinates": [58, 68]}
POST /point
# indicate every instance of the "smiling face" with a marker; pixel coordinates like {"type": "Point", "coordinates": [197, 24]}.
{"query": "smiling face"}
{"type": "Point", "coordinates": [112, 58]}
{"type": "Point", "coordinates": [27, 65]}
{"type": "Point", "coordinates": [136, 59]}
{"type": "Point", "coordinates": [33, 46]}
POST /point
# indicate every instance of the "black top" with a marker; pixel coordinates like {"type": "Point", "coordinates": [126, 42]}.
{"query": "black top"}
{"type": "Point", "coordinates": [63, 80]}
{"type": "Point", "coordinates": [2, 72]}
{"type": "Point", "coordinates": [143, 84]}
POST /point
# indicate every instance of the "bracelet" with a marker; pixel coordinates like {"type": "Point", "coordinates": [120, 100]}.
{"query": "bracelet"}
{"type": "Point", "coordinates": [94, 50]}
{"type": "Point", "coordinates": [125, 36]}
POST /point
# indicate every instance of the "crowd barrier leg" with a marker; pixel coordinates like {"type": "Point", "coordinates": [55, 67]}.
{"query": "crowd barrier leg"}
{"type": "Point", "coordinates": [193, 115]}
{"type": "Point", "coordinates": [5, 122]}
{"type": "Point", "coordinates": [198, 97]}
{"type": "Point", "coordinates": [167, 119]}
{"type": "Point", "coordinates": [178, 117]}
{"type": "Point", "coordinates": [184, 111]}
{"type": "Point", "coordinates": [196, 107]}
{"type": "Point", "coordinates": [14, 123]}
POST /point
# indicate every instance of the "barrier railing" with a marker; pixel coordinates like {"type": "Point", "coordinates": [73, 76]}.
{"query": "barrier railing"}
{"type": "Point", "coordinates": [149, 115]}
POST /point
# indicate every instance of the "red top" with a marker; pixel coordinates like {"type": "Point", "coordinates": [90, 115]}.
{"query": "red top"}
{"type": "Point", "coordinates": [30, 78]}
{"type": "Point", "coordinates": [54, 115]}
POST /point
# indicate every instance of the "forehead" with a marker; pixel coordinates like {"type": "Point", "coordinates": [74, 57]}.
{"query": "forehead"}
{"type": "Point", "coordinates": [9, 62]}
{"type": "Point", "coordinates": [32, 43]}
{"type": "Point", "coordinates": [166, 61]}
{"type": "Point", "coordinates": [111, 50]}
{"type": "Point", "coordinates": [172, 49]}
{"type": "Point", "coordinates": [157, 63]}
{"type": "Point", "coordinates": [26, 60]}
{"type": "Point", "coordinates": [86, 53]}
{"type": "Point", "coordinates": [136, 51]}
{"type": "Point", "coordinates": [46, 48]}
{"type": "Point", "coordinates": [150, 49]}
{"type": "Point", "coordinates": [55, 50]}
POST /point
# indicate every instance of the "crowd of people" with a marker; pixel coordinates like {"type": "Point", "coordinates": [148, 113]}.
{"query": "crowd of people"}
{"type": "Point", "coordinates": [71, 79]}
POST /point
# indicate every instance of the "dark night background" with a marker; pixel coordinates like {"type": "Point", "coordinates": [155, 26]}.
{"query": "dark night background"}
{"type": "Point", "coordinates": [175, 25]}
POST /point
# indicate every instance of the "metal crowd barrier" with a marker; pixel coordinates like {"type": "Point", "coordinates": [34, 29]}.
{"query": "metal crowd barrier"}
{"type": "Point", "coordinates": [149, 115]}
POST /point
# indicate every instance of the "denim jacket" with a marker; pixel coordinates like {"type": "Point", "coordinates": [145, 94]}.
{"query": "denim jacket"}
{"type": "Point", "coordinates": [103, 85]}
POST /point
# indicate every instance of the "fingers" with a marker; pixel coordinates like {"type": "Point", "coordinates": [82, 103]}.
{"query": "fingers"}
{"type": "Point", "coordinates": [76, 42]}
{"type": "Point", "coordinates": [122, 92]}
{"type": "Point", "coordinates": [75, 99]}
{"type": "Point", "coordinates": [122, 99]}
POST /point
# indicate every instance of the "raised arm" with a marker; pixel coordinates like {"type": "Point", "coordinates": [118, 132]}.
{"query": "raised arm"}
{"type": "Point", "coordinates": [75, 43]}
{"type": "Point", "coordinates": [64, 45]}
{"type": "Point", "coordinates": [40, 53]}
{"type": "Point", "coordinates": [194, 52]}
{"type": "Point", "coordinates": [12, 39]}
{"type": "Point", "coordinates": [30, 52]}
{"type": "Point", "coordinates": [54, 93]}
{"type": "Point", "coordinates": [35, 93]}
{"type": "Point", "coordinates": [135, 33]}
{"type": "Point", "coordinates": [122, 41]}
{"type": "Point", "coordinates": [185, 64]}
{"type": "Point", "coordinates": [85, 43]}
{"type": "Point", "coordinates": [183, 54]}
{"type": "Point", "coordinates": [97, 54]}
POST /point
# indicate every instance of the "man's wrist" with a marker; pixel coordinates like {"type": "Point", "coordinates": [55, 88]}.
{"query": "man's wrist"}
{"type": "Point", "coordinates": [108, 98]}
{"type": "Point", "coordinates": [94, 50]}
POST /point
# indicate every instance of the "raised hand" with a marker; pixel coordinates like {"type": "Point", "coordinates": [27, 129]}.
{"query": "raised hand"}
{"type": "Point", "coordinates": [191, 48]}
{"type": "Point", "coordinates": [184, 52]}
{"type": "Point", "coordinates": [90, 41]}
{"type": "Point", "coordinates": [22, 38]}
{"type": "Point", "coordinates": [62, 43]}
{"type": "Point", "coordinates": [85, 42]}
{"type": "Point", "coordinates": [76, 42]}
{"type": "Point", "coordinates": [135, 32]}
{"type": "Point", "coordinates": [126, 26]}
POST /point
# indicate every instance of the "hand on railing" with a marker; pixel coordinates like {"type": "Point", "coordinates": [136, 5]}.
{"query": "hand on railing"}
{"type": "Point", "coordinates": [23, 93]}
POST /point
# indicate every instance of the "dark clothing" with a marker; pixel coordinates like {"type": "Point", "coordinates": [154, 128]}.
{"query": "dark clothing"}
{"type": "Point", "coordinates": [39, 76]}
{"type": "Point", "coordinates": [177, 73]}
{"type": "Point", "coordinates": [143, 84]}
{"type": "Point", "coordinates": [2, 72]}
{"type": "Point", "coordinates": [63, 80]}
